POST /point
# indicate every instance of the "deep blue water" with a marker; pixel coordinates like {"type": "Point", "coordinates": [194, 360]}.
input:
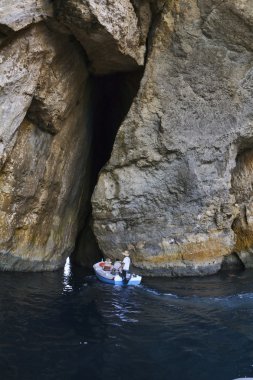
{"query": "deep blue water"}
{"type": "Point", "coordinates": [67, 325]}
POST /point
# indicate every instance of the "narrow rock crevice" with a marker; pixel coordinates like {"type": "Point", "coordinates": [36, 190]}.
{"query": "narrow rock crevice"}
{"type": "Point", "coordinates": [112, 96]}
{"type": "Point", "coordinates": [110, 100]}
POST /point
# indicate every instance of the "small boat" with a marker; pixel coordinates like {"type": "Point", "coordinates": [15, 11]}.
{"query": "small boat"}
{"type": "Point", "coordinates": [108, 273]}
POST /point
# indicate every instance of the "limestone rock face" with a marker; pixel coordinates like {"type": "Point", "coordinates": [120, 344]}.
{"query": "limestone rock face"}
{"type": "Point", "coordinates": [46, 114]}
{"type": "Point", "coordinates": [20, 68]}
{"type": "Point", "coordinates": [45, 147]}
{"type": "Point", "coordinates": [16, 15]}
{"type": "Point", "coordinates": [111, 32]}
{"type": "Point", "coordinates": [172, 190]}
{"type": "Point", "coordinates": [37, 74]}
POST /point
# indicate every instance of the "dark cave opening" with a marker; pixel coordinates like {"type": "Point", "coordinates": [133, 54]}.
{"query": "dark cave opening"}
{"type": "Point", "coordinates": [232, 262]}
{"type": "Point", "coordinates": [111, 97]}
{"type": "Point", "coordinates": [110, 100]}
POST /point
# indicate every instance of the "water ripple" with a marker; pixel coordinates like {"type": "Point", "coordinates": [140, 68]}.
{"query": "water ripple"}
{"type": "Point", "coordinates": [67, 325]}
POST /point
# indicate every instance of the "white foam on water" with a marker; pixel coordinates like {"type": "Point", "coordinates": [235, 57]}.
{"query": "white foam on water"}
{"type": "Point", "coordinates": [170, 295]}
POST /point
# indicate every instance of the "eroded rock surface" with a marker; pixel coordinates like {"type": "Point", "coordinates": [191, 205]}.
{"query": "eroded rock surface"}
{"type": "Point", "coordinates": [167, 193]}
{"type": "Point", "coordinates": [45, 142]}
{"type": "Point", "coordinates": [242, 188]}
{"type": "Point", "coordinates": [111, 32]}
{"type": "Point", "coordinates": [16, 15]}
{"type": "Point", "coordinates": [46, 117]}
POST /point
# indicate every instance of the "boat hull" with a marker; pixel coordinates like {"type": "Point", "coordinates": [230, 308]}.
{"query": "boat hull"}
{"type": "Point", "coordinates": [109, 278]}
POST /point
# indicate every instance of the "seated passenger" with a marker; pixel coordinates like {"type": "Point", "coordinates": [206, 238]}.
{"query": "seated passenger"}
{"type": "Point", "coordinates": [117, 265]}
{"type": "Point", "coordinates": [108, 265]}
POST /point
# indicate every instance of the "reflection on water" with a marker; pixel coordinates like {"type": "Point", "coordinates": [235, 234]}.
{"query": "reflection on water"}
{"type": "Point", "coordinates": [66, 277]}
{"type": "Point", "coordinates": [67, 325]}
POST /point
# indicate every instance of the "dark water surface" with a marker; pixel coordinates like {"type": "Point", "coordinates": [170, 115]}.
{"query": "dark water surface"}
{"type": "Point", "coordinates": [67, 325]}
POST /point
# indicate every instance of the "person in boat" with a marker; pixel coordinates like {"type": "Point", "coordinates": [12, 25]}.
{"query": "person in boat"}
{"type": "Point", "coordinates": [125, 266]}
{"type": "Point", "coordinates": [107, 265]}
{"type": "Point", "coordinates": [116, 268]}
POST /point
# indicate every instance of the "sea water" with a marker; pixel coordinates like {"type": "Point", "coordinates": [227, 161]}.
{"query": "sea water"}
{"type": "Point", "coordinates": [68, 325]}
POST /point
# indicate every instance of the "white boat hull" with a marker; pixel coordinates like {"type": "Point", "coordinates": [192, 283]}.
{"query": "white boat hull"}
{"type": "Point", "coordinates": [114, 279]}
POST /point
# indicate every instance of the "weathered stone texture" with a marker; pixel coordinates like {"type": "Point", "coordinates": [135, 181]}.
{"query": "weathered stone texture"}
{"type": "Point", "coordinates": [110, 31]}
{"type": "Point", "coordinates": [16, 15]}
{"type": "Point", "coordinates": [45, 131]}
{"type": "Point", "coordinates": [36, 69]}
{"type": "Point", "coordinates": [45, 162]}
{"type": "Point", "coordinates": [166, 193]}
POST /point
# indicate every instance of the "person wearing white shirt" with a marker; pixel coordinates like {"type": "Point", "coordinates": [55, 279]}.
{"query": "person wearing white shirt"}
{"type": "Point", "coordinates": [125, 266]}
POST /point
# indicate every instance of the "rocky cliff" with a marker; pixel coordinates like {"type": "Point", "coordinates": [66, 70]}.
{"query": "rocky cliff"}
{"type": "Point", "coordinates": [51, 52]}
{"type": "Point", "coordinates": [172, 81]}
{"type": "Point", "coordinates": [177, 190]}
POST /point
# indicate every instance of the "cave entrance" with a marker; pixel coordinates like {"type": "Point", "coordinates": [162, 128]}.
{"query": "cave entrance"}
{"type": "Point", "coordinates": [112, 96]}
{"type": "Point", "coordinates": [110, 100]}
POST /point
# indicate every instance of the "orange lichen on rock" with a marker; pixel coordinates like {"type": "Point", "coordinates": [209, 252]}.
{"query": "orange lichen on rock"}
{"type": "Point", "coordinates": [191, 252]}
{"type": "Point", "coordinates": [244, 236]}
